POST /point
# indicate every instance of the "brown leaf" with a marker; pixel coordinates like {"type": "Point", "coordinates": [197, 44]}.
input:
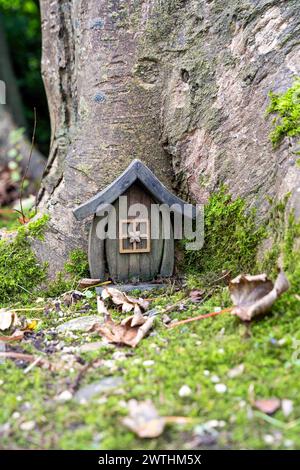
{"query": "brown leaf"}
{"type": "Point", "coordinates": [125, 301]}
{"type": "Point", "coordinates": [255, 295]}
{"type": "Point", "coordinates": [196, 295]}
{"type": "Point", "coordinates": [18, 335]}
{"type": "Point", "coordinates": [83, 283]}
{"type": "Point", "coordinates": [269, 406]}
{"type": "Point", "coordinates": [125, 332]}
{"type": "Point", "coordinates": [102, 310]}
{"type": "Point", "coordinates": [144, 419]}
{"type": "Point", "coordinates": [8, 319]}
{"type": "Point", "coordinates": [145, 422]}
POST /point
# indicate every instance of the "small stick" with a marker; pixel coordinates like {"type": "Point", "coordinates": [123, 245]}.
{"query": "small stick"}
{"type": "Point", "coordinates": [200, 317]}
{"type": "Point", "coordinates": [26, 309]}
{"type": "Point", "coordinates": [24, 357]}
{"type": "Point", "coordinates": [27, 168]}
{"type": "Point", "coordinates": [32, 365]}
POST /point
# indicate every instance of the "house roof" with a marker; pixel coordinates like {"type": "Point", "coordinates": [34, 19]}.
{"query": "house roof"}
{"type": "Point", "coordinates": [136, 172]}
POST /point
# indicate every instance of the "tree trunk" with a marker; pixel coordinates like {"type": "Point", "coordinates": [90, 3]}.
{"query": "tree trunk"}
{"type": "Point", "coordinates": [179, 84]}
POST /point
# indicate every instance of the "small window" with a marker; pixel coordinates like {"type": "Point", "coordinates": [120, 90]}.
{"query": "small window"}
{"type": "Point", "coordinates": [134, 236]}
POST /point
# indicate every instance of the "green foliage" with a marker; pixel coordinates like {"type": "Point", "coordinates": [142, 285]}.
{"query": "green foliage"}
{"type": "Point", "coordinates": [20, 273]}
{"type": "Point", "coordinates": [76, 268]}
{"type": "Point", "coordinates": [287, 107]}
{"type": "Point", "coordinates": [78, 264]}
{"type": "Point", "coordinates": [231, 238]}
{"type": "Point", "coordinates": [22, 24]}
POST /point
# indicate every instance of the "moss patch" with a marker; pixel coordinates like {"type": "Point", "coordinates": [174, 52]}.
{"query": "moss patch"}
{"type": "Point", "coordinates": [231, 238]}
{"type": "Point", "coordinates": [287, 108]}
{"type": "Point", "coordinates": [20, 272]}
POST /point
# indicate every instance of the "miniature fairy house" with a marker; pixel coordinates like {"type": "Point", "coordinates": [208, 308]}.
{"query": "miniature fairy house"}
{"type": "Point", "coordinates": [134, 254]}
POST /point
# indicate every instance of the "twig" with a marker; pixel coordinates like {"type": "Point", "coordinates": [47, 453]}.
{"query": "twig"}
{"type": "Point", "coordinates": [26, 309]}
{"type": "Point", "coordinates": [200, 317]}
{"type": "Point", "coordinates": [32, 365]}
{"type": "Point", "coordinates": [81, 374]}
{"type": "Point", "coordinates": [24, 357]}
{"type": "Point", "coordinates": [27, 167]}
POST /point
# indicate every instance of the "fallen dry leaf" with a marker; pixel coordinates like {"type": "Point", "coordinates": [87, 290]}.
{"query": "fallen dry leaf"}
{"type": "Point", "coordinates": [144, 419]}
{"type": "Point", "coordinates": [102, 310]}
{"type": "Point", "coordinates": [255, 295]}
{"type": "Point", "coordinates": [123, 300]}
{"type": "Point", "coordinates": [268, 406]}
{"type": "Point", "coordinates": [128, 332]}
{"type": "Point", "coordinates": [196, 295]}
{"type": "Point", "coordinates": [84, 283]}
{"type": "Point", "coordinates": [18, 335]}
{"type": "Point", "coordinates": [8, 319]}
{"type": "Point", "coordinates": [145, 422]}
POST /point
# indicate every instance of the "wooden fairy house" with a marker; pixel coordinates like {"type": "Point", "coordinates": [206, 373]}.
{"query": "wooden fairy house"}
{"type": "Point", "coordinates": [135, 253]}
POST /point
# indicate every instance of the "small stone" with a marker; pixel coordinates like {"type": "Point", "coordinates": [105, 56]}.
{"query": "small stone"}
{"type": "Point", "coordinates": [80, 324]}
{"type": "Point", "coordinates": [215, 379]}
{"type": "Point", "coordinates": [4, 428]}
{"type": "Point", "coordinates": [27, 426]}
{"type": "Point", "coordinates": [288, 443]}
{"type": "Point", "coordinates": [148, 363]}
{"type": "Point", "coordinates": [220, 388]}
{"type": "Point", "coordinates": [66, 395]}
{"type": "Point", "coordinates": [269, 439]}
{"type": "Point", "coordinates": [287, 407]}
{"type": "Point", "coordinates": [185, 391]}
{"type": "Point", "coordinates": [166, 319]}
{"type": "Point", "coordinates": [119, 356]}
{"type": "Point", "coordinates": [16, 415]}
{"type": "Point", "coordinates": [106, 385]}
{"type": "Point", "coordinates": [236, 371]}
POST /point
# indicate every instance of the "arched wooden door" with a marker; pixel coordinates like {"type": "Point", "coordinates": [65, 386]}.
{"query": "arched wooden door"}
{"type": "Point", "coordinates": [136, 257]}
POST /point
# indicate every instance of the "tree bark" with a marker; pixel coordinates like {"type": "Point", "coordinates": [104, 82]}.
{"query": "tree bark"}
{"type": "Point", "coordinates": [180, 84]}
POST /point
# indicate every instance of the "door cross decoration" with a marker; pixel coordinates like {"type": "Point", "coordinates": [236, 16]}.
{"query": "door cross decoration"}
{"type": "Point", "coordinates": [134, 236]}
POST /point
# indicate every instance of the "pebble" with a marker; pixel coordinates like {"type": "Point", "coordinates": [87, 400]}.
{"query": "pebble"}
{"type": "Point", "coordinates": [287, 407]}
{"type": "Point", "coordinates": [269, 439]}
{"type": "Point", "coordinates": [66, 395]}
{"type": "Point", "coordinates": [106, 385]}
{"type": "Point", "coordinates": [148, 363]}
{"type": "Point", "coordinates": [27, 426]}
{"type": "Point", "coordinates": [220, 388]}
{"type": "Point", "coordinates": [16, 415]}
{"type": "Point", "coordinates": [185, 391]}
{"type": "Point", "coordinates": [79, 324]}
{"type": "Point", "coordinates": [236, 371]}
{"type": "Point", "coordinates": [215, 379]}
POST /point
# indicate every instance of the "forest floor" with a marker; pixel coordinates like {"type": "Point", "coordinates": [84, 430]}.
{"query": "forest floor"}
{"type": "Point", "coordinates": [212, 371]}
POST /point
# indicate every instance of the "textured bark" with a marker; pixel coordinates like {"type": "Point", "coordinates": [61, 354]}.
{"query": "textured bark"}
{"type": "Point", "coordinates": [179, 84]}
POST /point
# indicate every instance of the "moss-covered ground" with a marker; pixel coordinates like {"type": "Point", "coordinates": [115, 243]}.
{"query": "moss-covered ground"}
{"type": "Point", "coordinates": [199, 355]}
{"type": "Point", "coordinates": [191, 355]}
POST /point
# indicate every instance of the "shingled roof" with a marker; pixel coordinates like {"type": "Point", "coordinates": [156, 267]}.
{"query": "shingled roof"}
{"type": "Point", "coordinates": [136, 172]}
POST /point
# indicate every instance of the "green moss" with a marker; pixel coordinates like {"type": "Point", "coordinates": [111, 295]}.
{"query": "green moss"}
{"type": "Point", "coordinates": [231, 238]}
{"type": "Point", "coordinates": [287, 108]}
{"type": "Point", "coordinates": [78, 264]}
{"type": "Point", "coordinates": [20, 272]}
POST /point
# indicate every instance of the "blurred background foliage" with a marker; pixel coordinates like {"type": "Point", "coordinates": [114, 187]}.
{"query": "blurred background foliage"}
{"type": "Point", "coordinates": [22, 26]}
